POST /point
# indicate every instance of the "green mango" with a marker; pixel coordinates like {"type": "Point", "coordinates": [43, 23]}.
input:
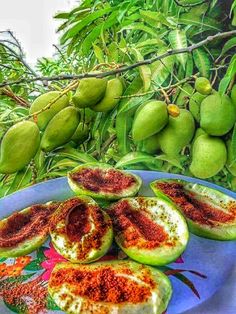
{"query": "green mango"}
{"type": "Point", "coordinates": [217, 114]}
{"type": "Point", "coordinates": [151, 144]}
{"type": "Point", "coordinates": [199, 132]}
{"type": "Point", "coordinates": [203, 86]}
{"type": "Point", "coordinates": [81, 133]}
{"type": "Point", "coordinates": [231, 160]}
{"type": "Point", "coordinates": [42, 101]}
{"type": "Point", "coordinates": [185, 93]}
{"type": "Point", "coordinates": [194, 105]}
{"type": "Point", "coordinates": [233, 94]}
{"type": "Point", "coordinates": [19, 145]}
{"type": "Point", "coordinates": [110, 100]}
{"type": "Point", "coordinates": [209, 156]}
{"type": "Point", "coordinates": [177, 134]}
{"type": "Point", "coordinates": [60, 129]}
{"type": "Point", "coordinates": [150, 119]}
{"type": "Point", "coordinates": [89, 92]}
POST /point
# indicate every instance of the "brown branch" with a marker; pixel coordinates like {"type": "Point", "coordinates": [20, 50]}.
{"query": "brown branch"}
{"type": "Point", "coordinates": [124, 68]}
{"type": "Point", "coordinates": [19, 100]}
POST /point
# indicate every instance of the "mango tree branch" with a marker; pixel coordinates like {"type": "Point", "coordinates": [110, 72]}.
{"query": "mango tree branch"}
{"type": "Point", "coordinates": [122, 69]}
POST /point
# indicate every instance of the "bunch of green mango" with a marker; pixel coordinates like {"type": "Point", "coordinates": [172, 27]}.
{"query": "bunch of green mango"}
{"type": "Point", "coordinates": [99, 94]}
{"type": "Point", "coordinates": [205, 121]}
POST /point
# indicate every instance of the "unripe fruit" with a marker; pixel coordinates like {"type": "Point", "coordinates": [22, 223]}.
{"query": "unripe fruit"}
{"type": "Point", "coordinates": [150, 119]}
{"type": "Point", "coordinates": [60, 129]}
{"type": "Point", "coordinates": [42, 101]}
{"type": "Point", "coordinates": [89, 92]}
{"type": "Point", "coordinates": [203, 86]}
{"type": "Point", "coordinates": [111, 98]}
{"type": "Point", "coordinates": [208, 156]}
{"type": "Point", "coordinates": [19, 145]}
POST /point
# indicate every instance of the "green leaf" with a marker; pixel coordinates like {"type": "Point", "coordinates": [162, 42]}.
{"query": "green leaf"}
{"type": "Point", "coordinates": [98, 53]}
{"type": "Point", "coordinates": [96, 32]}
{"type": "Point", "coordinates": [233, 143]}
{"type": "Point", "coordinates": [86, 21]}
{"type": "Point", "coordinates": [205, 23]}
{"type": "Point", "coordinates": [17, 308]}
{"type": "Point", "coordinates": [202, 62]}
{"type": "Point", "coordinates": [162, 69]}
{"type": "Point", "coordinates": [150, 42]}
{"type": "Point", "coordinates": [40, 253]}
{"type": "Point", "coordinates": [230, 73]}
{"type": "Point", "coordinates": [155, 19]}
{"type": "Point", "coordinates": [140, 27]}
{"type": "Point", "coordinates": [76, 155]}
{"type": "Point", "coordinates": [144, 70]}
{"type": "Point", "coordinates": [3, 259]}
{"type": "Point", "coordinates": [231, 43]}
{"type": "Point", "coordinates": [178, 40]}
{"type": "Point", "coordinates": [134, 158]}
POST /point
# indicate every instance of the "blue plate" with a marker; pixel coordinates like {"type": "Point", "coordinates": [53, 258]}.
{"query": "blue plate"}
{"type": "Point", "coordinates": [205, 267]}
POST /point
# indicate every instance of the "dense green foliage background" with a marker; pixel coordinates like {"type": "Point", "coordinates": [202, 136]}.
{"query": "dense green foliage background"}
{"type": "Point", "coordinates": [103, 35]}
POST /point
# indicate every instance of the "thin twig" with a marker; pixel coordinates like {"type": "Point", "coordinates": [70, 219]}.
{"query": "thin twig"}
{"type": "Point", "coordinates": [124, 68]}
{"type": "Point", "coordinates": [166, 88]}
{"type": "Point", "coordinates": [19, 100]}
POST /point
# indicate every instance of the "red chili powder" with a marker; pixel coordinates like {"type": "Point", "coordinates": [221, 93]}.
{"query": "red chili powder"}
{"type": "Point", "coordinates": [102, 285]}
{"type": "Point", "coordinates": [77, 215]}
{"type": "Point", "coordinates": [22, 226]}
{"type": "Point", "coordinates": [194, 209]}
{"type": "Point", "coordinates": [108, 181]}
{"type": "Point", "coordinates": [78, 222]}
{"type": "Point", "coordinates": [135, 227]}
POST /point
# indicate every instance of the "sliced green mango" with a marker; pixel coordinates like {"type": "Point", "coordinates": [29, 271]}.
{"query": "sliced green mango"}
{"type": "Point", "coordinates": [19, 145]}
{"type": "Point", "coordinates": [111, 98]}
{"type": "Point", "coordinates": [149, 119]}
{"type": "Point", "coordinates": [89, 92]}
{"type": "Point", "coordinates": [103, 181]}
{"type": "Point", "coordinates": [121, 287]}
{"type": "Point", "coordinates": [60, 129]}
{"type": "Point", "coordinates": [149, 230]}
{"type": "Point", "coordinates": [80, 230]}
{"type": "Point", "coordinates": [209, 213]}
{"type": "Point", "coordinates": [23, 232]}
{"type": "Point", "coordinates": [42, 101]}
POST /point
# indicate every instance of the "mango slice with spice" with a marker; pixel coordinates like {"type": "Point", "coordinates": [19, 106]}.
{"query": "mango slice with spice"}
{"type": "Point", "coordinates": [149, 230]}
{"type": "Point", "coordinates": [80, 230]}
{"type": "Point", "coordinates": [103, 181]}
{"type": "Point", "coordinates": [209, 213]}
{"type": "Point", "coordinates": [119, 287]}
{"type": "Point", "coordinates": [23, 232]}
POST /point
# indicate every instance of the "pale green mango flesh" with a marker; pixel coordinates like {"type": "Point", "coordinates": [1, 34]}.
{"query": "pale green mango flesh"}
{"type": "Point", "coordinates": [159, 232]}
{"type": "Point", "coordinates": [95, 234]}
{"type": "Point", "coordinates": [209, 213]}
{"type": "Point", "coordinates": [139, 289]}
